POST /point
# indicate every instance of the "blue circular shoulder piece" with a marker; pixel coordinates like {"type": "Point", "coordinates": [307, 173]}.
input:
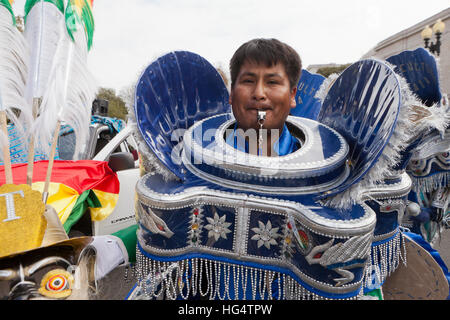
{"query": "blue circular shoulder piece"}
{"type": "Point", "coordinates": [173, 93]}
{"type": "Point", "coordinates": [419, 69]}
{"type": "Point", "coordinates": [307, 105]}
{"type": "Point", "coordinates": [362, 105]}
{"type": "Point", "coordinates": [318, 165]}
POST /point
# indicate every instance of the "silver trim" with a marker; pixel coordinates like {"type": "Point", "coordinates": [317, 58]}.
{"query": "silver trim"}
{"type": "Point", "coordinates": [392, 191]}
{"type": "Point", "coordinates": [289, 166]}
{"type": "Point", "coordinates": [431, 146]}
{"type": "Point", "coordinates": [305, 215]}
{"type": "Point", "coordinates": [242, 186]}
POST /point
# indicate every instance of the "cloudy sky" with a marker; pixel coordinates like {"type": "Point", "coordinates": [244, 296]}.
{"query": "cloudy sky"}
{"type": "Point", "coordinates": [130, 34]}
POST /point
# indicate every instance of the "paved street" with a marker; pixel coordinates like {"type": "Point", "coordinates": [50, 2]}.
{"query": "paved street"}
{"type": "Point", "coordinates": [114, 286]}
{"type": "Point", "coordinates": [444, 247]}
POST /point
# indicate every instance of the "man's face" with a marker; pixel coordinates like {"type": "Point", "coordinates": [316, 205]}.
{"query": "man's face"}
{"type": "Point", "coordinates": [258, 87]}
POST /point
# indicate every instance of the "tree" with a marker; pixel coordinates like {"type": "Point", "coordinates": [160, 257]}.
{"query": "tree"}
{"type": "Point", "coordinates": [127, 96]}
{"type": "Point", "coordinates": [116, 106]}
{"type": "Point", "coordinates": [327, 71]}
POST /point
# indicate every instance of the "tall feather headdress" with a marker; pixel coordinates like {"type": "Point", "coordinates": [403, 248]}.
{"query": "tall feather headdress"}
{"type": "Point", "coordinates": [44, 24]}
{"type": "Point", "coordinates": [13, 74]}
{"type": "Point", "coordinates": [71, 89]}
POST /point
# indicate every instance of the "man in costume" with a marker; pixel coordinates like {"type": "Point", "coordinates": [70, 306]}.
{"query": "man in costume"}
{"type": "Point", "coordinates": [264, 77]}
{"type": "Point", "coordinates": [221, 218]}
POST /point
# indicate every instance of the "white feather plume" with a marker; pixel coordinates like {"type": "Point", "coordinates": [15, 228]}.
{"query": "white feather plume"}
{"type": "Point", "coordinates": [325, 87]}
{"type": "Point", "coordinates": [13, 74]}
{"type": "Point", "coordinates": [44, 23]}
{"type": "Point", "coordinates": [43, 27]}
{"type": "Point", "coordinates": [69, 94]}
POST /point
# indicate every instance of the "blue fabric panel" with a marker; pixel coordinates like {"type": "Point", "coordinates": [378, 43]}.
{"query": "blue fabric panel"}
{"type": "Point", "coordinates": [419, 69]}
{"type": "Point", "coordinates": [362, 105]}
{"type": "Point", "coordinates": [172, 93]}
{"type": "Point", "coordinates": [307, 105]}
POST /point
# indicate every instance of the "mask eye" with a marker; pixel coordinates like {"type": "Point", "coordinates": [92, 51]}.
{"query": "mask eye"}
{"type": "Point", "coordinates": [417, 165]}
{"type": "Point", "coordinates": [56, 284]}
{"type": "Point", "coordinates": [444, 158]}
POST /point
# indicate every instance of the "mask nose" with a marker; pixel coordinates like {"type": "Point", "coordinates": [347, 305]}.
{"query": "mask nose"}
{"type": "Point", "coordinates": [24, 290]}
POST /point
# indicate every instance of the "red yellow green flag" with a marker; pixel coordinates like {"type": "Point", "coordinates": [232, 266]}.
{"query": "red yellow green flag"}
{"type": "Point", "coordinates": [75, 186]}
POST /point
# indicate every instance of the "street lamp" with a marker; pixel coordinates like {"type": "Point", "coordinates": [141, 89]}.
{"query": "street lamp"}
{"type": "Point", "coordinates": [438, 29]}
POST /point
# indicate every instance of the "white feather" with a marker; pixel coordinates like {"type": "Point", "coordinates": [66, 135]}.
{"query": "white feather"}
{"type": "Point", "coordinates": [70, 92]}
{"type": "Point", "coordinates": [13, 74]}
{"type": "Point", "coordinates": [44, 24]}
{"type": "Point", "coordinates": [325, 87]}
{"type": "Point", "coordinates": [43, 27]}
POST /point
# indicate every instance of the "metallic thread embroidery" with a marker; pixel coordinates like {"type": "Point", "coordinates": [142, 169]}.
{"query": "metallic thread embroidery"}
{"type": "Point", "coordinates": [265, 234]}
{"type": "Point", "coordinates": [218, 227]}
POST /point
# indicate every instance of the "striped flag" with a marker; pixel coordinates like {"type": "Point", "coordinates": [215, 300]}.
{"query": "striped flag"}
{"type": "Point", "coordinates": [75, 187]}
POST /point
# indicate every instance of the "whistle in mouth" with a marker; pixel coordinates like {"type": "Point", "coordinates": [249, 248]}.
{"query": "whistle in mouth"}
{"type": "Point", "coordinates": [261, 116]}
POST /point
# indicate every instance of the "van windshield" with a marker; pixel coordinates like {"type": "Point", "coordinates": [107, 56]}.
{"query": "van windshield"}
{"type": "Point", "coordinates": [66, 145]}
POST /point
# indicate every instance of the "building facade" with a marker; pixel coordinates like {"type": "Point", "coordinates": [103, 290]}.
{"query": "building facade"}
{"type": "Point", "coordinates": [410, 39]}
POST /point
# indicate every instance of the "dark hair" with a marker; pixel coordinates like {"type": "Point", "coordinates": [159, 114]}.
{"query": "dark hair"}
{"type": "Point", "coordinates": [268, 52]}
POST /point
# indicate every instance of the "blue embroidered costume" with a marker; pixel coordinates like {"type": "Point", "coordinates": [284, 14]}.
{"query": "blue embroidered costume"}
{"type": "Point", "coordinates": [319, 221]}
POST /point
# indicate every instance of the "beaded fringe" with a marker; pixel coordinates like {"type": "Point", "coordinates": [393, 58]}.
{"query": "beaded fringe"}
{"type": "Point", "coordinates": [432, 183]}
{"type": "Point", "coordinates": [174, 280]}
{"type": "Point", "coordinates": [384, 259]}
